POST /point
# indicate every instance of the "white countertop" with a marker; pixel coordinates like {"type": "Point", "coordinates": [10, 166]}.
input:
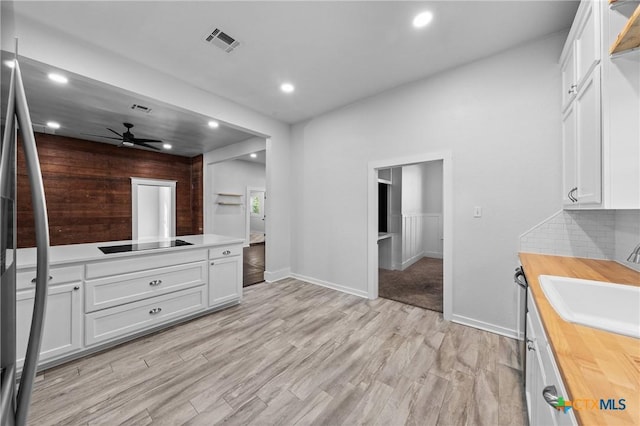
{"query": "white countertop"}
{"type": "Point", "coordinates": [78, 253]}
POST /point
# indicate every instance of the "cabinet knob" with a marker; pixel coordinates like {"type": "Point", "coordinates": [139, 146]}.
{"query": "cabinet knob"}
{"type": "Point", "coordinates": [155, 283]}
{"type": "Point", "coordinates": [226, 252]}
{"type": "Point", "coordinates": [76, 288]}
{"type": "Point", "coordinates": [155, 311]}
{"type": "Point", "coordinates": [550, 395]}
{"type": "Point", "coordinates": [33, 281]}
{"type": "Point", "coordinates": [572, 89]}
{"type": "Point", "coordinates": [213, 263]}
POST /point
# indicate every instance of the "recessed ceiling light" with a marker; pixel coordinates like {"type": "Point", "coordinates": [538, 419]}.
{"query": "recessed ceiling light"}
{"type": "Point", "coordinates": [287, 87]}
{"type": "Point", "coordinates": [253, 155]}
{"type": "Point", "coordinates": [166, 146]}
{"type": "Point", "coordinates": [58, 78]}
{"type": "Point", "coordinates": [10, 64]}
{"type": "Point", "coordinates": [214, 124]}
{"type": "Point", "coordinates": [53, 124]}
{"type": "Point", "coordinates": [422, 19]}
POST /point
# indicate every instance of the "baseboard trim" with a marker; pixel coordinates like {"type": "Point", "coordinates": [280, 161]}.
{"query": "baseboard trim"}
{"type": "Point", "coordinates": [333, 286]}
{"type": "Point", "coordinates": [507, 332]}
{"type": "Point", "coordinates": [411, 261]}
{"type": "Point", "coordinates": [434, 254]}
{"type": "Point", "coordinates": [272, 276]}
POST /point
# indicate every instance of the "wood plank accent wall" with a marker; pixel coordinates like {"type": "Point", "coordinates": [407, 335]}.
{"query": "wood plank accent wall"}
{"type": "Point", "coordinates": [88, 189]}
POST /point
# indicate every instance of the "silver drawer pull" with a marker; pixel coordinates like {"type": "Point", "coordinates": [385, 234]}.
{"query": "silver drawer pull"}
{"type": "Point", "coordinates": [550, 395]}
{"type": "Point", "coordinates": [226, 252]}
{"type": "Point", "coordinates": [155, 311]}
{"type": "Point", "coordinates": [155, 283]}
{"type": "Point", "coordinates": [33, 281]}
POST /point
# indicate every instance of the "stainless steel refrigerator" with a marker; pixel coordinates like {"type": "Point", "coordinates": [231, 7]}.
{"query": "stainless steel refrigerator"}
{"type": "Point", "coordinates": [16, 396]}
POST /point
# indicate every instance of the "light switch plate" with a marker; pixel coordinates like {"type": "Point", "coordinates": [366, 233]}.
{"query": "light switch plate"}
{"type": "Point", "coordinates": [477, 211]}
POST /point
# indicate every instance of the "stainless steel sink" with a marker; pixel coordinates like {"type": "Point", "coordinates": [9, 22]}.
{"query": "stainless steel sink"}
{"type": "Point", "coordinates": [602, 305]}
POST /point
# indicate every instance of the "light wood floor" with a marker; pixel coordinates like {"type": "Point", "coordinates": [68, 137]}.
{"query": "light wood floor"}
{"type": "Point", "coordinates": [294, 353]}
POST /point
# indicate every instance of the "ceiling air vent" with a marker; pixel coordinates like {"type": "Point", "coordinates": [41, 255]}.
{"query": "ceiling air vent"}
{"type": "Point", "coordinates": [222, 40]}
{"type": "Point", "coordinates": [141, 108]}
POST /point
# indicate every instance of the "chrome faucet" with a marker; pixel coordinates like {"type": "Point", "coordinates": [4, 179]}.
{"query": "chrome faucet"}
{"type": "Point", "coordinates": [635, 255]}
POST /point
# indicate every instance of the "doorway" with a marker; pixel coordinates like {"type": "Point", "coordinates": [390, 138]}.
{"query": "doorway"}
{"type": "Point", "coordinates": [410, 242]}
{"type": "Point", "coordinates": [254, 254]}
{"type": "Point", "coordinates": [153, 207]}
{"type": "Point", "coordinates": [422, 245]}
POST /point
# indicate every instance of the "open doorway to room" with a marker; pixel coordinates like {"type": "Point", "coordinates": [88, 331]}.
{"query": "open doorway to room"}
{"type": "Point", "coordinates": [253, 261]}
{"type": "Point", "coordinates": [410, 240]}
{"type": "Point", "coordinates": [238, 208]}
{"type": "Point", "coordinates": [409, 228]}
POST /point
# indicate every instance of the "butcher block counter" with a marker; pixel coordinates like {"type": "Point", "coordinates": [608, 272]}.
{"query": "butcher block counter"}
{"type": "Point", "coordinates": [593, 363]}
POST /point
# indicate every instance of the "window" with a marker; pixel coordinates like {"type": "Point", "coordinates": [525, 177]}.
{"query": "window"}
{"type": "Point", "coordinates": [256, 206]}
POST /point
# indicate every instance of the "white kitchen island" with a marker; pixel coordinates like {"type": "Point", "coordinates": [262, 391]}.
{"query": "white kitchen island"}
{"type": "Point", "coordinates": [97, 300]}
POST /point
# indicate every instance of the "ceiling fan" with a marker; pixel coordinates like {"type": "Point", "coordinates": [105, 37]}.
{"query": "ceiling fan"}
{"type": "Point", "coordinates": [128, 139]}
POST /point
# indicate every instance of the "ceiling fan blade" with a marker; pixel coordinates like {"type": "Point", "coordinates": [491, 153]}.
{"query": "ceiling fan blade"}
{"type": "Point", "coordinates": [136, 140]}
{"type": "Point", "coordinates": [146, 145]}
{"type": "Point", "coordinates": [101, 136]}
{"type": "Point", "coordinates": [113, 131]}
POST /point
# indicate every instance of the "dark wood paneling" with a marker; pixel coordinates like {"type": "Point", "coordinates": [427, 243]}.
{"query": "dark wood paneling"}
{"type": "Point", "coordinates": [88, 189]}
{"type": "Point", "coordinates": [196, 194]}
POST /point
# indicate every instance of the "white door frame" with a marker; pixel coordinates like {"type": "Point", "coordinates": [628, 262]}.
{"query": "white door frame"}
{"type": "Point", "coordinates": [447, 215]}
{"type": "Point", "coordinates": [135, 182]}
{"type": "Point", "coordinates": [247, 241]}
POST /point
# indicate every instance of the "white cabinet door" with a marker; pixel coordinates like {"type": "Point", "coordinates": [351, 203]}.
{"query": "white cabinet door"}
{"type": "Point", "coordinates": [587, 41]}
{"type": "Point", "coordinates": [589, 141]}
{"type": "Point", "coordinates": [225, 280]}
{"type": "Point", "coordinates": [569, 85]}
{"type": "Point", "coordinates": [569, 155]}
{"type": "Point", "coordinates": [542, 413]}
{"type": "Point", "coordinates": [63, 318]}
{"type": "Point", "coordinates": [531, 370]}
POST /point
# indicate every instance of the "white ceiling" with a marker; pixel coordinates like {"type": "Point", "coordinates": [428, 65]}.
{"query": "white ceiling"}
{"type": "Point", "coordinates": [335, 52]}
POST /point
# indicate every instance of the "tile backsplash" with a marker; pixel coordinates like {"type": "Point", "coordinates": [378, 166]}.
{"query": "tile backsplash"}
{"type": "Point", "coordinates": [594, 234]}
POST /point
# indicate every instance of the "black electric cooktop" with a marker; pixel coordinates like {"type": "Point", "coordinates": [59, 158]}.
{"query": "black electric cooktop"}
{"type": "Point", "coordinates": [143, 246]}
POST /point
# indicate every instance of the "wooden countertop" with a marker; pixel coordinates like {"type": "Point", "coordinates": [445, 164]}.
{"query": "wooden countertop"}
{"type": "Point", "coordinates": [594, 364]}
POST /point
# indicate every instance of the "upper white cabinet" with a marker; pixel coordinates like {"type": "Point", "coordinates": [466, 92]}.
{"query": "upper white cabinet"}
{"type": "Point", "coordinates": [600, 110]}
{"type": "Point", "coordinates": [582, 51]}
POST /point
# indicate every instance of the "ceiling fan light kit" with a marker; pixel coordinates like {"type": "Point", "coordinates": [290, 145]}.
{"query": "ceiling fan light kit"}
{"type": "Point", "coordinates": [128, 139]}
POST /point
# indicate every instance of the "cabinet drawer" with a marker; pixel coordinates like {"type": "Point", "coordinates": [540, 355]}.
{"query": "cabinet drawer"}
{"type": "Point", "coordinates": [142, 262]}
{"type": "Point", "coordinates": [58, 275]}
{"type": "Point", "coordinates": [120, 321]}
{"type": "Point", "coordinates": [218, 252]}
{"type": "Point", "coordinates": [119, 289]}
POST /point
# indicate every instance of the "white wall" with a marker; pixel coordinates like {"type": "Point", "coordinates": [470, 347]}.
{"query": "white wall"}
{"type": "Point", "coordinates": [433, 220]}
{"type": "Point", "coordinates": [79, 56]}
{"type": "Point", "coordinates": [500, 119]}
{"type": "Point", "coordinates": [233, 177]}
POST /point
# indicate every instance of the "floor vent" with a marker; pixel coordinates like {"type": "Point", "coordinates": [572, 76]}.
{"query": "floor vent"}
{"type": "Point", "coordinates": [141, 108]}
{"type": "Point", "coordinates": [222, 40]}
